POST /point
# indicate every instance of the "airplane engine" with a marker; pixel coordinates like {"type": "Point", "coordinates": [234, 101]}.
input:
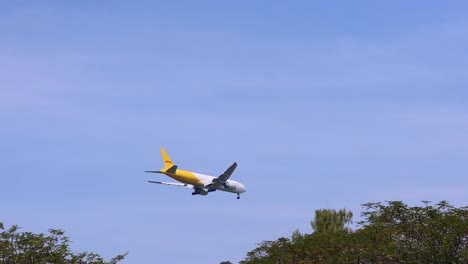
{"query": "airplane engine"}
{"type": "Point", "coordinates": [229, 186]}
{"type": "Point", "coordinates": [200, 191]}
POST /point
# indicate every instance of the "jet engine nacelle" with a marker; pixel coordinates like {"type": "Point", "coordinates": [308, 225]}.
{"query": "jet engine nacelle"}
{"type": "Point", "coordinates": [200, 191]}
{"type": "Point", "coordinates": [229, 186]}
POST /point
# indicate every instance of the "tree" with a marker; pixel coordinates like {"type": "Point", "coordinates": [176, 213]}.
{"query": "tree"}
{"type": "Point", "coordinates": [397, 232]}
{"type": "Point", "coordinates": [30, 248]}
{"type": "Point", "coordinates": [389, 233]}
{"type": "Point", "coordinates": [331, 221]}
{"type": "Point", "coordinates": [320, 247]}
{"type": "Point", "coordinates": [278, 251]}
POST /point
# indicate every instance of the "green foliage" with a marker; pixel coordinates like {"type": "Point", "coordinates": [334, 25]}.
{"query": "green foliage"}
{"type": "Point", "coordinates": [389, 233]}
{"type": "Point", "coordinates": [331, 221]}
{"type": "Point", "coordinates": [26, 247]}
{"type": "Point", "coordinates": [415, 234]}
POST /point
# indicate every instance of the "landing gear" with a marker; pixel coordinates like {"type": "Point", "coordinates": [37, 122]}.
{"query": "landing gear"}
{"type": "Point", "coordinates": [238, 196]}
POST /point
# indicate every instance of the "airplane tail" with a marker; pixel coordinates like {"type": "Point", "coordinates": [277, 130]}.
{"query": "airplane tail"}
{"type": "Point", "coordinates": [166, 159]}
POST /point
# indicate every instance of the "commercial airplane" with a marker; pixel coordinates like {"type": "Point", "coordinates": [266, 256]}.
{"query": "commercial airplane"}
{"type": "Point", "coordinates": [200, 183]}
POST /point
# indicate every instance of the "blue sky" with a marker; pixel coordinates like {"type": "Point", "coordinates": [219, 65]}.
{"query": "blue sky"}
{"type": "Point", "coordinates": [322, 104]}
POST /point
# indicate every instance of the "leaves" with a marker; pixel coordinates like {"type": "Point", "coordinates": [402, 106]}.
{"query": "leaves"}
{"type": "Point", "coordinates": [27, 247]}
{"type": "Point", "coordinates": [331, 221]}
{"type": "Point", "coordinates": [389, 233]}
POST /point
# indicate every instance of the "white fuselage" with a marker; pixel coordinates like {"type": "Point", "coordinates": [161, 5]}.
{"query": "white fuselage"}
{"type": "Point", "coordinates": [232, 186]}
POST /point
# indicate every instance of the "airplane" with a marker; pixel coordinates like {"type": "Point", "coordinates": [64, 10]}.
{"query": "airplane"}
{"type": "Point", "coordinates": [200, 183]}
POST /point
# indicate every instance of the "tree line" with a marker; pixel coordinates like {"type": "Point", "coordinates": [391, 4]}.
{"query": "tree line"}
{"type": "Point", "coordinates": [18, 247]}
{"type": "Point", "coordinates": [390, 232]}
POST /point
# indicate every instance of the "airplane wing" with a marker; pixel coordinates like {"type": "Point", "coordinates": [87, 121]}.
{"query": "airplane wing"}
{"type": "Point", "coordinates": [221, 179]}
{"type": "Point", "coordinates": [173, 184]}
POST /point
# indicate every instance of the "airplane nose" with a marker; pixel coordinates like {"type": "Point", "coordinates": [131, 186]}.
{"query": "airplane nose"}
{"type": "Point", "coordinates": [243, 188]}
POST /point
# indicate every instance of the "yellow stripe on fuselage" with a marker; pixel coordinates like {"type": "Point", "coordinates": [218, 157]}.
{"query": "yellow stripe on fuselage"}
{"type": "Point", "coordinates": [185, 177]}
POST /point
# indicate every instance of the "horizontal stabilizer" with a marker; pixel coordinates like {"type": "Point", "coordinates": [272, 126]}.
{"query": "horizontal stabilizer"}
{"type": "Point", "coordinates": [153, 171]}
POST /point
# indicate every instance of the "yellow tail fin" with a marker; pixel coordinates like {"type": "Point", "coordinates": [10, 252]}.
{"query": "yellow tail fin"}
{"type": "Point", "coordinates": [166, 159]}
